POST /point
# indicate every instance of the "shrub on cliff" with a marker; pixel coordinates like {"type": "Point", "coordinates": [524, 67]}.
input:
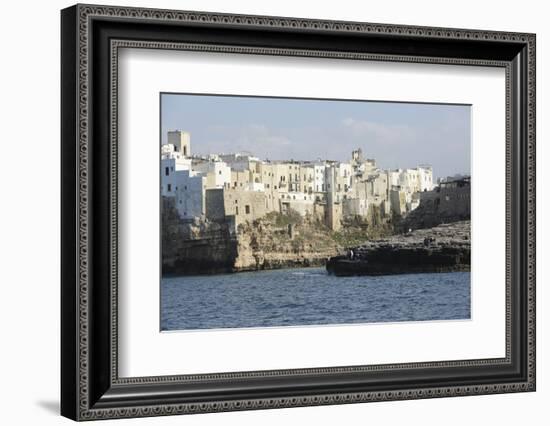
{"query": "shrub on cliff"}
{"type": "Point", "coordinates": [284, 219]}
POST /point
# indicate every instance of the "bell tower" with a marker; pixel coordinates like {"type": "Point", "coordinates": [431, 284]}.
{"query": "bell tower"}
{"type": "Point", "coordinates": [181, 141]}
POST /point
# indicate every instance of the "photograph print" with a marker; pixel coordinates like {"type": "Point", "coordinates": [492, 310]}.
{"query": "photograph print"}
{"type": "Point", "coordinates": [279, 212]}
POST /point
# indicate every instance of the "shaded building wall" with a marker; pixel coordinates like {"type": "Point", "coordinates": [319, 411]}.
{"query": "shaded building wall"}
{"type": "Point", "coordinates": [214, 204]}
{"type": "Point", "coordinates": [354, 207]}
{"type": "Point", "coordinates": [334, 216]}
{"type": "Point", "coordinates": [270, 182]}
{"type": "Point", "coordinates": [398, 202]}
{"type": "Point", "coordinates": [455, 201]}
{"type": "Point", "coordinates": [445, 204]}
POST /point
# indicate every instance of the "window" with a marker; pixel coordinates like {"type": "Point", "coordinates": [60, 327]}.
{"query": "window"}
{"type": "Point", "coordinates": [247, 209]}
{"type": "Point", "coordinates": [167, 171]}
{"type": "Point", "coordinates": [185, 187]}
{"type": "Point", "coordinates": [168, 187]}
{"type": "Point", "coordinates": [184, 150]}
{"type": "Point", "coordinates": [236, 211]}
{"type": "Point", "coordinates": [220, 172]}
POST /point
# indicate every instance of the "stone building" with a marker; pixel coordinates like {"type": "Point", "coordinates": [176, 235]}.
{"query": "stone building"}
{"type": "Point", "coordinates": [243, 205]}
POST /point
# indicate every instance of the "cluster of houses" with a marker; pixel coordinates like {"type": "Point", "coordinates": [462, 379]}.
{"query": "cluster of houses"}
{"type": "Point", "coordinates": [240, 187]}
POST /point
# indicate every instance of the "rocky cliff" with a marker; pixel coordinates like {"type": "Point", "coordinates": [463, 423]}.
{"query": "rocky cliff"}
{"type": "Point", "coordinates": [445, 248]}
{"type": "Point", "coordinates": [275, 241]}
{"type": "Point", "coordinates": [265, 244]}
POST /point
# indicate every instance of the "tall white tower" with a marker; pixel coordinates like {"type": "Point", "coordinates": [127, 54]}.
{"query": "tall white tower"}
{"type": "Point", "coordinates": [181, 141]}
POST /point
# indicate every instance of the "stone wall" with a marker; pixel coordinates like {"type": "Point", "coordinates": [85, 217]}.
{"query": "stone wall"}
{"type": "Point", "coordinates": [442, 205]}
{"type": "Point", "coordinates": [244, 205]}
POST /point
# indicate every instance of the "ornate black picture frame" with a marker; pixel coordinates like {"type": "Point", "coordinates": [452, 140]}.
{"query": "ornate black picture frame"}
{"type": "Point", "coordinates": [91, 36]}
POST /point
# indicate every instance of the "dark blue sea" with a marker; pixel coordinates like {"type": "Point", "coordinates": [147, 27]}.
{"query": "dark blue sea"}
{"type": "Point", "coordinates": [309, 296]}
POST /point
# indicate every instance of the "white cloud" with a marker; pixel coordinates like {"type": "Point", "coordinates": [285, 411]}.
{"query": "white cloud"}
{"type": "Point", "coordinates": [260, 134]}
{"type": "Point", "coordinates": [258, 139]}
{"type": "Point", "coordinates": [379, 132]}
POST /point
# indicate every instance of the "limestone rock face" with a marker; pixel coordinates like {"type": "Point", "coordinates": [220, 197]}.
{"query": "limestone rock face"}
{"type": "Point", "coordinates": [262, 245]}
{"type": "Point", "coordinates": [205, 247]}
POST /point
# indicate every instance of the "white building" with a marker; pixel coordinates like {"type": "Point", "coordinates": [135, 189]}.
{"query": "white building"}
{"type": "Point", "coordinates": [329, 189]}
{"type": "Point", "coordinates": [319, 177]}
{"type": "Point", "coordinates": [239, 161]}
{"type": "Point", "coordinates": [425, 176]}
{"type": "Point", "coordinates": [394, 177]}
{"type": "Point", "coordinates": [190, 193]}
{"type": "Point", "coordinates": [171, 162]}
{"type": "Point", "coordinates": [217, 173]}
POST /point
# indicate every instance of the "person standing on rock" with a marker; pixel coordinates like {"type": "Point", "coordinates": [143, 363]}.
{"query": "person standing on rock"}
{"type": "Point", "coordinates": [351, 254]}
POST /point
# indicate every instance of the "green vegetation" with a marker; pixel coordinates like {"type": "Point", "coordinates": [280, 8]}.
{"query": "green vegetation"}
{"type": "Point", "coordinates": [282, 219]}
{"type": "Point", "coordinates": [310, 234]}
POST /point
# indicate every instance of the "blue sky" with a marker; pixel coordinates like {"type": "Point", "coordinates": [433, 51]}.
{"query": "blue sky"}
{"type": "Point", "coordinates": [397, 135]}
